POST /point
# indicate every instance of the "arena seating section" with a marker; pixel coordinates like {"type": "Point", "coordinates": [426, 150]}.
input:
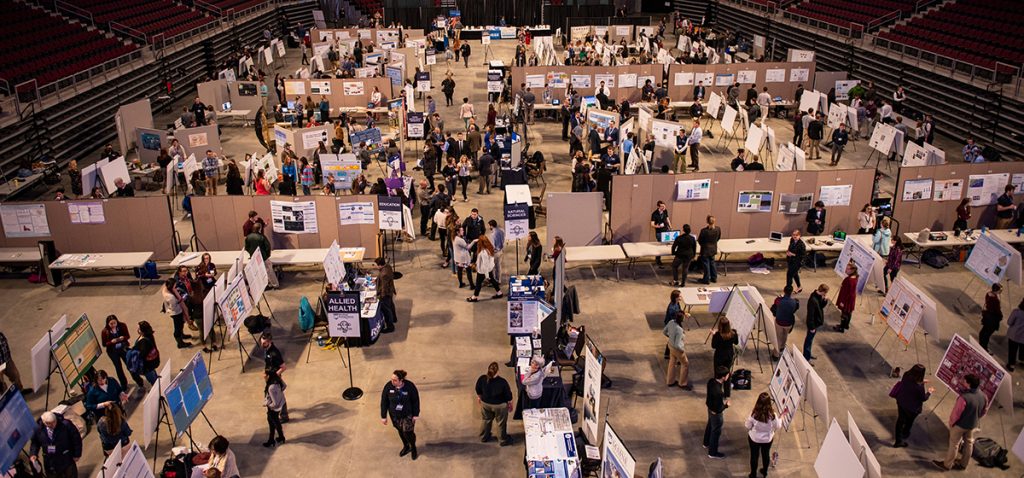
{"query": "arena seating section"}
{"type": "Point", "coordinates": [980, 33]}
{"type": "Point", "coordinates": [845, 12]}
{"type": "Point", "coordinates": [147, 16]}
{"type": "Point", "coordinates": [236, 5]}
{"type": "Point", "coordinates": [65, 49]}
{"type": "Point", "coordinates": [368, 7]}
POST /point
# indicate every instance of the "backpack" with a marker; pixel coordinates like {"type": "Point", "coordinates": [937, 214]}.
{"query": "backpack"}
{"type": "Point", "coordinates": [147, 271]}
{"type": "Point", "coordinates": [989, 454]}
{"type": "Point", "coordinates": [935, 258]}
{"type": "Point", "coordinates": [755, 260]}
{"type": "Point", "coordinates": [174, 468]}
{"type": "Point", "coordinates": [741, 379]}
{"type": "Point", "coordinates": [306, 315]}
{"type": "Point", "coordinates": [256, 324]}
{"type": "Point", "coordinates": [134, 361]}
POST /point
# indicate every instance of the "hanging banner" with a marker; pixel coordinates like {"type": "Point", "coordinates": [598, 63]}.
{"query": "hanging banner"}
{"type": "Point", "coordinates": [423, 81]}
{"type": "Point", "coordinates": [343, 313]}
{"type": "Point", "coordinates": [517, 221]}
{"type": "Point", "coordinates": [390, 213]}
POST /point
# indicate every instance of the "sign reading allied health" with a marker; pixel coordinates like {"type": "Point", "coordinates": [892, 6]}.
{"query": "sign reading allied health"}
{"type": "Point", "coordinates": [517, 220]}
{"type": "Point", "coordinates": [390, 213]}
{"type": "Point", "coordinates": [343, 314]}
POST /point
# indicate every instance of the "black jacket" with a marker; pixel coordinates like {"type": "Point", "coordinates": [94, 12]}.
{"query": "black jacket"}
{"type": "Point", "coordinates": [812, 228]}
{"type": "Point", "coordinates": [66, 443]}
{"type": "Point", "coordinates": [535, 255]}
{"type": "Point", "coordinates": [815, 129]}
{"type": "Point", "coordinates": [816, 310]}
{"type": "Point", "coordinates": [716, 397]}
{"type": "Point", "coordinates": [485, 164]}
{"type": "Point", "coordinates": [708, 240]}
{"type": "Point", "coordinates": [400, 403]}
{"type": "Point", "coordinates": [798, 248]}
{"type": "Point", "coordinates": [473, 229]}
{"type": "Point", "coordinates": [684, 246]}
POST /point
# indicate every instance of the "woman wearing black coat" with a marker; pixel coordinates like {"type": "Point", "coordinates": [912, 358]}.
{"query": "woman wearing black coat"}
{"type": "Point", "coordinates": [401, 401]}
{"type": "Point", "coordinates": [534, 253]}
{"type": "Point", "coordinates": [910, 394]}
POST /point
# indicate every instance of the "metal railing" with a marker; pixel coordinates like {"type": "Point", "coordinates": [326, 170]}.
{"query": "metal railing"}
{"type": "Point", "coordinates": [854, 30]}
{"type": "Point", "coordinates": [925, 4]}
{"type": "Point", "coordinates": [68, 86]}
{"type": "Point", "coordinates": [127, 31]}
{"type": "Point", "coordinates": [200, 4]}
{"type": "Point", "coordinates": [1002, 72]}
{"type": "Point", "coordinates": [766, 7]}
{"type": "Point", "coordinates": [74, 11]}
{"type": "Point", "coordinates": [889, 17]}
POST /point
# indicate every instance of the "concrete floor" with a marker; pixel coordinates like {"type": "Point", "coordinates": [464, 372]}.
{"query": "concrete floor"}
{"type": "Point", "coordinates": [445, 343]}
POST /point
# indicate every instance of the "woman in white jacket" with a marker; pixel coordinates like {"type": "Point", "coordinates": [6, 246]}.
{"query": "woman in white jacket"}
{"type": "Point", "coordinates": [761, 426]}
{"type": "Point", "coordinates": [533, 381]}
{"type": "Point", "coordinates": [484, 269]}
{"type": "Point", "coordinates": [461, 256]}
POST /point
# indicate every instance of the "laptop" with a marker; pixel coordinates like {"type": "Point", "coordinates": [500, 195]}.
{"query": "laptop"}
{"type": "Point", "coordinates": [226, 106]}
{"type": "Point", "coordinates": [556, 102]}
{"type": "Point", "coordinates": [291, 105]}
{"type": "Point", "coordinates": [775, 236]}
{"type": "Point", "coordinates": [839, 236]}
{"type": "Point", "coordinates": [668, 236]}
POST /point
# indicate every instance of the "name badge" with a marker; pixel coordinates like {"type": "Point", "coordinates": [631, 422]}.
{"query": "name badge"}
{"type": "Point", "coordinates": [50, 450]}
{"type": "Point", "coordinates": [399, 408]}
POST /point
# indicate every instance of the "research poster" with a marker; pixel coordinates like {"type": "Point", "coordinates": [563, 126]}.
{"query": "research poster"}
{"type": "Point", "coordinates": [298, 217]}
{"type": "Point", "coordinates": [355, 213]}
{"type": "Point", "coordinates": [754, 201]}
{"type": "Point", "coordinates": [962, 358]}
{"type": "Point", "coordinates": [25, 220]}
{"type": "Point", "coordinates": [17, 425]}
{"type": "Point", "coordinates": [76, 350]}
{"type": "Point", "coordinates": [902, 309]}
{"type": "Point", "coordinates": [353, 88]}
{"type": "Point", "coordinates": [948, 189]}
{"type": "Point", "coordinates": [235, 304]}
{"type": "Point", "coordinates": [664, 132]}
{"type": "Point", "coordinates": [256, 277]}
{"type": "Point", "coordinates": [617, 462]}
{"type": "Point", "coordinates": [593, 367]}
{"type": "Point", "coordinates": [334, 268]}
{"type": "Point", "coordinates": [787, 387]}
{"type": "Point", "coordinates": [683, 78]}
{"type": "Point", "coordinates": [188, 392]}
{"type": "Point", "coordinates": [312, 139]}
{"type": "Point", "coordinates": [343, 168]}
{"type": "Point", "coordinates": [992, 258]}
{"type": "Point", "coordinates": [320, 87]}
{"type": "Point", "coordinates": [86, 212]}
{"type": "Point", "coordinates": [741, 311]}
{"type": "Point", "coordinates": [836, 195]}
{"type": "Point", "coordinates": [795, 203]}
{"type": "Point", "coordinates": [984, 189]}
{"type": "Point", "coordinates": [523, 316]}
{"type": "Point", "coordinates": [917, 189]}
{"type": "Point", "coordinates": [693, 190]}
{"type": "Point", "coordinates": [882, 138]}
{"type": "Point", "coordinates": [580, 81]}
{"type": "Point", "coordinates": [134, 463]}
{"type": "Point", "coordinates": [627, 80]}
{"type": "Point", "coordinates": [862, 257]}
{"type": "Point", "coordinates": [390, 212]}
{"type": "Point", "coordinates": [775, 75]}
{"type": "Point", "coordinates": [343, 314]}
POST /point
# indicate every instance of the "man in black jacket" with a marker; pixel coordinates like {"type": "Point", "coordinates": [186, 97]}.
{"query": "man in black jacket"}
{"type": "Point", "coordinates": [716, 403]}
{"type": "Point", "coordinates": [495, 398]}
{"type": "Point", "coordinates": [816, 219]}
{"type": "Point", "coordinates": [815, 131]}
{"type": "Point", "coordinates": [684, 248]}
{"type": "Point", "coordinates": [60, 443]}
{"type": "Point", "coordinates": [485, 165]}
{"type": "Point", "coordinates": [794, 258]}
{"type": "Point", "coordinates": [708, 240]}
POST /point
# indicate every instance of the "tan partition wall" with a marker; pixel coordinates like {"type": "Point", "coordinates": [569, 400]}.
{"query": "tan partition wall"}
{"type": "Point", "coordinates": [786, 89]}
{"type": "Point", "coordinates": [218, 223]}
{"type": "Point", "coordinates": [634, 197]}
{"type": "Point", "coordinates": [939, 215]}
{"type": "Point", "coordinates": [618, 93]}
{"type": "Point", "coordinates": [337, 97]}
{"type": "Point", "coordinates": [130, 225]}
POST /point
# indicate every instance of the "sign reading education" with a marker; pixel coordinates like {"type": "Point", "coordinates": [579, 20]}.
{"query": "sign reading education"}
{"type": "Point", "coordinates": [390, 212]}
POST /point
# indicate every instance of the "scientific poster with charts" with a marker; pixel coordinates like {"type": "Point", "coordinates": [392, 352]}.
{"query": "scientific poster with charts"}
{"type": "Point", "coordinates": [836, 195]}
{"type": "Point", "coordinates": [917, 190]}
{"type": "Point", "coordinates": [948, 189]}
{"type": "Point", "coordinates": [882, 138]}
{"type": "Point", "coordinates": [1017, 180]}
{"type": "Point", "coordinates": [665, 132]}
{"type": "Point", "coordinates": [746, 76]}
{"type": "Point", "coordinates": [984, 189]}
{"type": "Point", "coordinates": [627, 80]}
{"type": "Point", "coordinates": [133, 464]}
{"type": "Point", "coordinates": [992, 260]}
{"type": "Point", "coordinates": [799, 74]}
{"type": "Point", "coordinates": [297, 217]}
{"type": "Point", "coordinates": [795, 203]}
{"type": "Point", "coordinates": [617, 462]}
{"type": "Point", "coordinates": [256, 277]}
{"type": "Point", "coordinates": [962, 358]}
{"type": "Point", "coordinates": [682, 78]}
{"type": "Point", "coordinates": [862, 257]}
{"type": "Point", "coordinates": [76, 350]}
{"type": "Point", "coordinates": [785, 160]}
{"type": "Point", "coordinates": [353, 88]}
{"type": "Point", "coordinates": [593, 367]}
{"type": "Point", "coordinates": [775, 75]}
{"type": "Point", "coordinates": [580, 81]}
{"type": "Point", "coordinates": [705, 77]}
{"type": "Point", "coordinates": [693, 190]}
{"type": "Point", "coordinates": [754, 201]}
{"type": "Point", "coordinates": [86, 212]}
{"type": "Point", "coordinates": [724, 79]}
{"type": "Point", "coordinates": [608, 79]}
{"type": "Point", "coordinates": [355, 213]}
{"type": "Point", "coordinates": [742, 313]}
{"type": "Point", "coordinates": [902, 309]}
{"type": "Point", "coordinates": [787, 387]}
{"type": "Point", "coordinates": [235, 304]}
{"type": "Point", "coordinates": [25, 220]}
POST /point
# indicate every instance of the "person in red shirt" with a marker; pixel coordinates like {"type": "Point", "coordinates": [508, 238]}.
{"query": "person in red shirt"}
{"type": "Point", "coordinates": [254, 218]}
{"type": "Point", "coordinates": [847, 300]}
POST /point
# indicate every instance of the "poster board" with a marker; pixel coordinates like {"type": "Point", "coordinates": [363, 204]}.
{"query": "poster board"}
{"type": "Point", "coordinates": [993, 260]}
{"type": "Point", "coordinates": [17, 425]}
{"type": "Point", "coordinates": [985, 189]}
{"type": "Point", "coordinates": [293, 217]}
{"type": "Point", "coordinates": [24, 220]}
{"type": "Point", "coordinates": [787, 387]}
{"type": "Point", "coordinates": [196, 141]}
{"type": "Point", "coordinates": [188, 393]}
{"type": "Point", "coordinates": [334, 268]}
{"type": "Point", "coordinates": [729, 119]}
{"type": "Point", "coordinates": [664, 132]}
{"type": "Point", "coordinates": [389, 208]}
{"type": "Point", "coordinates": [693, 190]}
{"type": "Point", "coordinates": [41, 355]}
{"type": "Point", "coordinates": [755, 138]}
{"type": "Point", "coordinates": [133, 463]}
{"type": "Point", "coordinates": [91, 176]}
{"type": "Point", "coordinates": [882, 138]}
{"type": "Point", "coordinates": [754, 201]}
{"type": "Point", "coordinates": [917, 189]}
{"type": "Point", "coordinates": [577, 217]}
{"type": "Point", "coordinates": [343, 311]}
{"type": "Point", "coordinates": [210, 305]}
{"type": "Point", "coordinates": [235, 304]}
{"type": "Point", "coordinates": [903, 309]}
{"type": "Point", "coordinates": [862, 450]}
{"type": "Point", "coordinates": [76, 350]}
{"type": "Point", "coordinates": [150, 414]}
{"type": "Point", "coordinates": [593, 368]}
{"type": "Point", "coordinates": [616, 460]}
{"type": "Point", "coordinates": [795, 203]}
{"type": "Point", "coordinates": [950, 181]}
{"type": "Point", "coordinates": [149, 141]}
{"type": "Point", "coordinates": [113, 170]}
{"type": "Point", "coordinates": [836, 195]}
{"type": "Point", "coordinates": [836, 458]}
{"type": "Point", "coordinates": [256, 277]}
{"type": "Point", "coordinates": [865, 259]}
{"type": "Point", "coordinates": [963, 357]}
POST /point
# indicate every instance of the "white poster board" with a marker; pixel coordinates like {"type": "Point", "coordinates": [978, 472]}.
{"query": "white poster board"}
{"type": "Point", "coordinates": [787, 387]}
{"type": "Point", "coordinates": [917, 189]}
{"type": "Point", "coordinates": [714, 104]}
{"type": "Point", "coordinates": [882, 138]}
{"type": "Point", "coordinates": [693, 190]}
{"type": "Point", "coordinates": [985, 189]}
{"type": "Point", "coordinates": [616, 460]}
{"type": "Point", "coordinates": [41, 352]}
{"type": "Point", "coordinates": [755, 138]}
{"type": "Point", "coordinates": [729, 119]}
{"type": "Point", "coordinates": [861, 449]}
{"type": "Point", "coordinates": [352, 213]}
{"type": "Point", "coordinates": [150, 415]}
{"type": "Point", "coordinates": [235, 304]}
{"type": "Point", "coordinates": [593, 368]}
{"type": "Point", "coordinates": [904, 307]}
{"type": "Point", "coordinates": [865, 259]}
{"type": "Point", "coordinates": [256, 277]}
{"type": "Point", "coordinates": [810, 99]}
{"type": "Point", "coordinates": [948, 189]}
{"type": "Point", "coordinates": [836, 458]}
{"type": "Point", "coordinates": [293, 217]}
{"type": "Point", "coordinates": [993, 260]}
{"type": "Point", "coordinates": [838, 195]}
{"type": "Point", "coordinates": [665, 132]}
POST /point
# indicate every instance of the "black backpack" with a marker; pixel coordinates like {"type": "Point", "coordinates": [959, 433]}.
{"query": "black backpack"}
{"type": "Point", "coordinates": [989, 454]}
{"type": "Point", "coordinates": [174, 468]}
{"type": "Point", "coordinates": [935, 258]}
{"type": "Point", "coordinates": [256, 324]}
{"type": "Point", "coordinates": [741, 379]}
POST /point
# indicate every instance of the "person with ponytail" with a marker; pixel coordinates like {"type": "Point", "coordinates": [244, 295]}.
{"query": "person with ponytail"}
{"type": "Point", "coordinates": [495, 398]}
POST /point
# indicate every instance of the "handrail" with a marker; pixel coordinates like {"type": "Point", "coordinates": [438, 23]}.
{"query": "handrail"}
{"type": "Point", "coordinates": [925, 4]}
{"type": "Point", "coordinates": [74, 11]}
{"type": "Point", "coordinates": [122, 29]}
{"type": "Point", "coordinates": [854, 30]}
{"type": "Point", "coordinates": [973, 70]}
{"type": "Point", "coordinates": [897, 14]}
{"type": "Point", "coordinates": [208, 7]}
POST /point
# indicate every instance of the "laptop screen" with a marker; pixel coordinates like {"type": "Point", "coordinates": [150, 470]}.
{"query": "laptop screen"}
{"type": "Point", "coordinates": [668, 236]}
{"type": "Point", "coordinates": [775, 236]}
{"type": "Point", "coordinates": [226, 106]}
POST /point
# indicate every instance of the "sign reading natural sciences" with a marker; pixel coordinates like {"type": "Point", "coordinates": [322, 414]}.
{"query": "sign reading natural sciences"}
{"type": "Point", "coordinates": [517, 220]}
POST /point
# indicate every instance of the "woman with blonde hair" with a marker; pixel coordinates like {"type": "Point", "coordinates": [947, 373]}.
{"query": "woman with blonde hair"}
{"type": "Point", "coordinates": [761, 426]}
{"type": "Point", "coordinates": [484, 268]}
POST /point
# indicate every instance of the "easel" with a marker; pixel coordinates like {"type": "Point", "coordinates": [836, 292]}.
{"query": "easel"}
{"type": "Point", "coordinates": [51, 368]}
{"type": "Point", "coordinates": [917, 350]}
{"type": "Point", "coordinates": [878, 157]}
{"type": "Point", "coordinates": [760, 327]}
{"type": "Point", "coordinates": [804, 413]}
{"type": "Point", "coordinates": [732, 136]}
{"type": "Point", "coordinates": [242, 352]}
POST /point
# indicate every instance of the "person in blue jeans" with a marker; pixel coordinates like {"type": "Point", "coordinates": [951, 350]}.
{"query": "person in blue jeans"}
{"type": "Point", "coordinates": [708, 241]}
{"type": "Point", "coordinates": [716, 403]}
{"type": "Point", "coordinates": [815, 317]}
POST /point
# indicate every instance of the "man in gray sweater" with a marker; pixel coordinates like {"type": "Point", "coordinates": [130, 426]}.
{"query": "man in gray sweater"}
{"type": "Point", "coordinates": [963, 423]}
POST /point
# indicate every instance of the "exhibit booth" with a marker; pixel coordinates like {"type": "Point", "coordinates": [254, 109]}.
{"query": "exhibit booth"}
{"type": "Point", "coordinates": [624, 82]}
{"type": "Point", "coordinates": [781, 78]}
{"type": "Point", "coordinates": [138, 114]}
{"type": "Point", "coordinates": [927, 196]}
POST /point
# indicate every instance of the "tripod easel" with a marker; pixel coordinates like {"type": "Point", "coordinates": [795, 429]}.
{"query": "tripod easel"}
{"type": "Point", "coordinates": [732, 137]}
{"type": "Point", "coordinates": [759, 333]}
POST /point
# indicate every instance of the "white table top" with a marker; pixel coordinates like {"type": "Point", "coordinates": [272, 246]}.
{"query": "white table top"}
{"type": "Point", "coordinates": [234, 113]}
{"type": "Point", "coordinates": [105, 260]}
{"type": "Point", "coordinates": [594, 253]}
{"type": "Point", "coordinates": [192, 259]}
{"type": "Point", "coordinates": [10, 187]}
{"type": "Point", "coordinates": [647, 249]}
{"type": "Point", "coordinates": [766, 246]}
{"type": "Point", "coordinates": [1007, 236]}
{"type": "Point", "coordinates": [314, 256]}
{"type": "Point", "coordinates": [699, 295]}
{"type": "Point", "coordinates": [20, 254]}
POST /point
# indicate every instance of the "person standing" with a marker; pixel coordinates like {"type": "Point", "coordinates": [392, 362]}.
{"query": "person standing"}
{"type": "Point", "coordinates": [716, 403]}
{"type": "Point", "coordinates": [60, 443]}
{"type": "Point", "coordinates": [882, 239]}
{"type": "Point", "coordinates": [113, 429]}
{"type": "Point", "coordinates": [386, 294]}
{"type": "Point", "coordinates": [910, 395]}
{"type": "Point", "coordinates": [678, 373]}
{"type": "Point", "coordinates": [401, 401]}
{"type": "Point", "coordinates": [816, 219]}
{"type": "Point", "coordinates": [684, 248]}
{"type": "Point", "coordinates": [115, 338]}
{"type": "Point", "coordinates": [485, 269]}
{"type": "Point", "coordinates": [693, 142]}
{"type": "Point", "coordinates": [680, 152]}
{"type": "Point", "coordinates": [963, 214]}
{"type": "Point", "coordinates": [497, 237]}
{"type": "Point", "coordinates": [660, 223]}
{"type": "Point", "coordinates": [847, 299]}
{"type": "Point", "coordinates": [448, 88]}
{"type": "Point", "coordinates": [256, 241]}
{"type": "Point", "coordinates": [11, 370]}
{"type": "Point", "coordinates": [251, 222]}
{"type": "Point", "coordinates": [1005, 208]}
{"type": "Point", "coordinates": [1015, 336]}
{"type": "Point", "coordinates": [175, 306]}
{"type": "Point", "coordinates": [273, 399]}
{"type": "Point", "coordinates": [794, 259]}
{"type": "Point", "coordinates": [495, 398]}
{"type": "Point", "coordinates": [104, 393]}
{"type": "Point", "coordinates": [534, 253]}
{"type": "Point", "coordinates": [815, 131]}
{"type": "Point", "coordinates": [211, 167]}
{"type": "Point", "coordinates": [866, 220]}
{"type": "Point", "coordinates": [466, 112]}
{"type": "Point", "coordinates": [784, 310]}
{"type": "Point", "coordinates": [761, 427]}
{"type": "Point", "coordinates": [273, 360]}
{"type": "Point", "coordinates": [839, 139]}
{"type": "Point", "coordinates": [533, 381]}
{"type": "Point", "coordinates": [893, 262]}
{"type": "Point", "coordinates": [963, 423]}
{"type": "Point", "coordinates": [146, 346]}
{"type": "Point", "coordinates": [991, 315]}
{"type": "Point", "coordinates": [708, 240]}
{"type": "Point", "coordinates": [815, 317]}
{"type": "Point", "coordinates": [484, 167]}
{"type": "Point", "coordinates": [798, 128]}
{"type": "Point", "coordinates": [724, 343]}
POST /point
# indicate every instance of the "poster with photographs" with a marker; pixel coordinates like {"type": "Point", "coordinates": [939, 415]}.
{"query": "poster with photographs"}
{"type": "Point", "coordinates": [963, 358]}
{"type": "Point", "coordinates": [787, 387]}
{"type": "Point", "coordinates": [593, 368]}
{"type": "Point", "coordinates": [297, 217]}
